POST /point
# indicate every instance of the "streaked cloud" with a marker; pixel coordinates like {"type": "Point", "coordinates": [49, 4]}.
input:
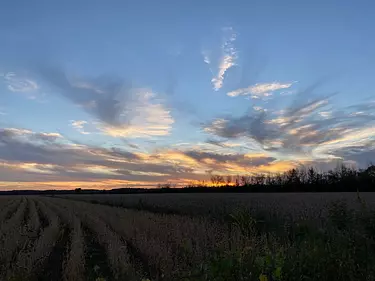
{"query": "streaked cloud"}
{"type": "Point", "coordinates": [228, 57]}
{"type": "Point", "coordinates": [310, 129]}
{"type": "Point", "coordinates": [24, 133]}
{"type": "Point", "coordinates": [260, 90]}
{"type": "Point", "coordinates": [259, 108]}
{"type": "Point", "coordinates": [325, 114]}
{"type": "Point", "coordinates": [206, 57]}
{"type": "Point", "coordinates": [79, 125]}
{"type": "Point", "coordinates": [17, 83]}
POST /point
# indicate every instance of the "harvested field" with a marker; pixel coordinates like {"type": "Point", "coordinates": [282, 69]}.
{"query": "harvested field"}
{"type": "Point", "coordinates": [188, 237]}
{"type": "Point", "coordinates": [217, 205]}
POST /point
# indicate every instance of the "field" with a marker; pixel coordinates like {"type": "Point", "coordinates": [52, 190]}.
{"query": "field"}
{"type": "Point", "coordinates": [218, 205]}
{"type": "Point", "coordinates": [264, 237]}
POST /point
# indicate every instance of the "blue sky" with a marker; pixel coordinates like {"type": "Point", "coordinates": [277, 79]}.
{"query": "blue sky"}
{"type": "Point", "coordinates": [182, 89]}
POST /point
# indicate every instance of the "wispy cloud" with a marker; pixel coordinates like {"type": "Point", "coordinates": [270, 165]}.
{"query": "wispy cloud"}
{"type": "Point", "coordinates": [228, 57]}
{"type": "Point", "coordinates": [16, 83]}
{"type": "Point", "coordinates": [260, 90]}
{"type": "Point", "coordinates": [20, 84]}
{"type": "Point", "coordinates": [206, 57]}
{"type": "Point", "coordinates": [79, 126]}
{"type": "Point", "coordinates": [28, 134]}
{"type": "Point", "coordinates": [146, 115]}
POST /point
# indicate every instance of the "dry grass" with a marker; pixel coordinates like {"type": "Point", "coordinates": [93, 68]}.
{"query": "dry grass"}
{"type": "Point", "coordinates": [117, 252]}
{"type": "Point", "coordinates": [74, 264]}
{"type": "Point", "coordinates": [33, 223]}
{"type": "Point", "coordinates": [31, 260]}
{"type": "Point", "coordinates": [9, 207]}
{"type": "Point", "coordinates": [74, 267]}
{"type": "Point", "coordinates": [5, 203]}
{"type": "Point", "coordinates": [218, 205]}
{"type": "Point", "coordinates": [169, 245]}
{"type": "Point", "coordinates": [130, 244]}
{"type": "Point", "coordinates": [12, 236]}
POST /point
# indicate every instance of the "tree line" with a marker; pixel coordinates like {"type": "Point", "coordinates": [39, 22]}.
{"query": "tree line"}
{"type": "Point", "coordinates": [341, 179]}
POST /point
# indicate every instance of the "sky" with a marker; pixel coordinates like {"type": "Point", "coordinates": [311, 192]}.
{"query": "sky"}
{"type": "Point", "coordinates": [107, 94]}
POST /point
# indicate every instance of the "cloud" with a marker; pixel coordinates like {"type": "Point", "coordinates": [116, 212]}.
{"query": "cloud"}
{"type": "Point", "coordinates": [24, 133]}
{"type": "Point", "coordinates": [131, 145]}
{"type": "Point", "coordinates": [246, 125]}
{"type": "Point", "coordinates": [47, 137]}
{"type": "Point", "coordinates": [220, 159]}
{"type": "Point", "coordinates": [260, 90]}
{"type": "Point", "coordinates": [206, 57]}
{"type": "Point", "coordinates": [240, 144]}
{"type": "Point", "coordinates": [31, 159]}
{"type": "Point", "coordinates": [79, 126]}
{"type": "Point", "coordinates": [228, 58]}
{"type": "Point", "coordinates": [216, 142]}
{"type": "Point", "coordinates": [24, 146]}
{"type": "Point", "coordinates": [149, 117]}
{"type": "Point", "coordinates": [121, 111]}
{"type": "Point", "coordinates": [360, 155]}
{"type": "Point", "coordinates": [309, 129]}
{"type": "Point", "coordinates": [257, 141]}
{"type": "Point", "coordinates": [325, 114]}
{"type": "Point", "coordinates": [259, 108]}
{"type": "Point", "coordinates": [16, 83]}
{"type": "Point", "coordinates": [104, 97]}
{"type": "Point", "coordinates": [25, 158]}
{"type": "Point", "coordinates": [21, 153]}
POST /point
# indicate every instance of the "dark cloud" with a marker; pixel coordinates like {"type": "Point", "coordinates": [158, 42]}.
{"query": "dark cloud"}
{"type": "Point", "coordinates": [249, 124]}
{"type": "Point", "coordinates": [363, 158]}
{"type": "Point", "coordinates": [6, 134]}
{"type": "Point", "coordinates": [226, 158]}
{"type": "Point", "coordinates": [46, 137]}
{"type": "Point", "coordinates": [27, 148]}
{"type": "Point", "coordinates": [131, 145]}
{"type": "Point", "coordinates": [216, 142]}
{"type": "Point", "coordinates": [104, 97]}
{"type": "Point", "coordinates": [362, 153]}
{"type": "Point", "coordinates": [114, 152]}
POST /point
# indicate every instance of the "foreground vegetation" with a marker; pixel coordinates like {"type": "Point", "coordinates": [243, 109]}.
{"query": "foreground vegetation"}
{"type": "Point", "coordinates": [46, 238]}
